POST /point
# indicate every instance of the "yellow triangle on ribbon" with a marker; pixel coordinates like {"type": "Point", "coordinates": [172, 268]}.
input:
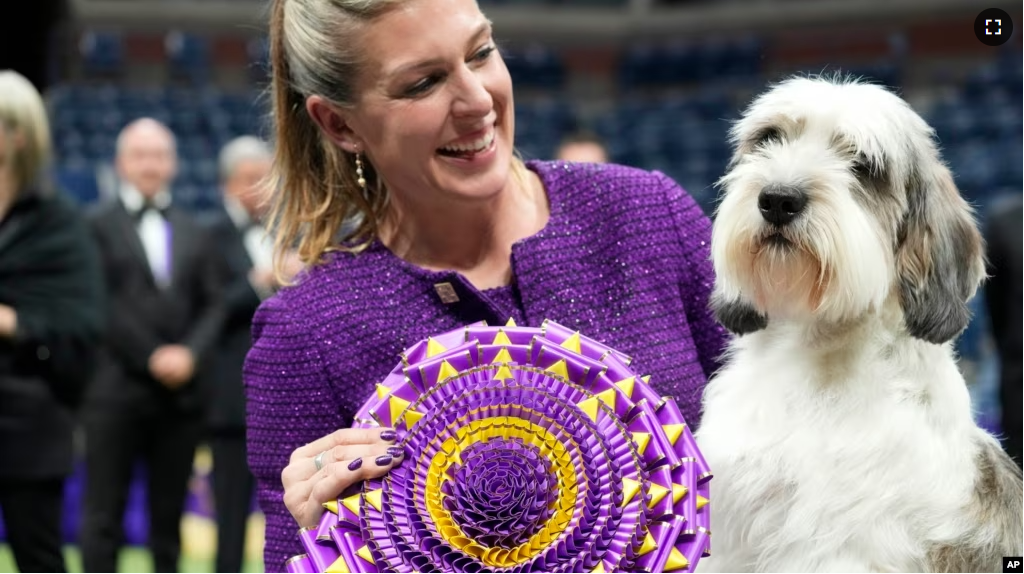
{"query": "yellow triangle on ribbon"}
{"type": "Point", "coordinates": [351, 503]}
{"type": "Point", "coordinates": [397, 405]}
{"type": "Point", "coordinates": [382, 391]}
{"type": "Point", "coordinates": [642, 439]}
{"type": "Point", "coordinates": [646, 379]}
{"type": "Point", "coordinates": [657, 493]}
{"type": "Point", "coordinates": [503, 356]}
{"type": "Point", "coordinates": [511, 322]}
{"type": "Point", "coordinates": [599, 567]}
{"type": "Point", "coordinates": [673, 432]}
{"type": "Point", "coordinates": [630, 488]}
{"type": "Point", "coordinates": [650, 545]}
{"type": "Point", "coordinates": [434, 348]}
{"type": "Point", "coordinates": [589, 406]}
{"type": "Point", "coordinates": [608, 397]}
{"type": "Point", "coordinates": [338, 567]}
{"type": "Point", "coordinates": [447, 370]}
{"type": "Point", "coordinates": [374, 498]}
{"type": "Point", "coordinates": [559, 369]}
{"type": "Point", "coordinates": [678, 492]}
{"type": "Point", "coordinates": [332, 506]}
{"type": "Point", "coordinates": [701, 502]}
{"type": "Point", "coordinates": [627, 386]}
{"type": "Point", "coordinates": [451, 449]}
{"type": "Point", "coordinates": [503, 373]}
{"type": "Point", "coordinates": [501, 338]}
{"type": "Point", "coordinates": [676, 560]}
{"type": "Point", "coordinates": [412, 417]}
{"type": "Point", "coordinates": [572, 343]}
{"type": "Point", "coordinates": [365, 554]}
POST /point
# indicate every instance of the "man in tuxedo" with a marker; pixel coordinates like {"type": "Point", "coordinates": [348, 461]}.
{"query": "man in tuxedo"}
{"type": "Point", "coordinates": [164, 286]}
{"type": "Point", "coordinates": [244, 165]}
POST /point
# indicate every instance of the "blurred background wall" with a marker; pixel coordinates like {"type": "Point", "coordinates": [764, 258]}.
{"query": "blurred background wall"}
{"type": "Point", "coordinates": [659, 80]}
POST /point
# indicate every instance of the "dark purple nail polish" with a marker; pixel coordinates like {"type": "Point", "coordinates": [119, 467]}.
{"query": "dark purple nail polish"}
{"type": "Point", "coordinates": [396, 451]}
{"type": "Point", "coordinates": [355, 464]}
{"type": "Point", "coordinates": [383, 460]}
{"type": "Point", "coordinates": [388, 435]}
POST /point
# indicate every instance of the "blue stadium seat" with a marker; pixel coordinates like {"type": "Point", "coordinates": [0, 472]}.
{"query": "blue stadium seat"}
{"type": "Point", "coordinates": [188, 56]}
{"type": "Point", "coordinates": [259, 59]}
{"type": "Point", "coordinates": [102, 53]}
{"type": "Point", "coordinates": [78, 180]}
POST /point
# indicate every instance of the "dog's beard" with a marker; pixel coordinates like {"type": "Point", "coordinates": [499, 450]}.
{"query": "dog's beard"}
{"type": "Point", "coordinates": [786, 278]}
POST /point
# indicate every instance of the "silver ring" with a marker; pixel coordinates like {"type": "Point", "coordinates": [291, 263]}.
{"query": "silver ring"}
{"type": "Point", "coordinates": [318, 460]}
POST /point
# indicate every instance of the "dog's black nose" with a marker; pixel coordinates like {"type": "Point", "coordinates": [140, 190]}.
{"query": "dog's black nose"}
{"type": "Point", "coordinates": [781, 204]}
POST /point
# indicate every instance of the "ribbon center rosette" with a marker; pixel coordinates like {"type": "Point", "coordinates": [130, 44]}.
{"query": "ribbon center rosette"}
{"type": "Point", "coordinates": [529, 449]}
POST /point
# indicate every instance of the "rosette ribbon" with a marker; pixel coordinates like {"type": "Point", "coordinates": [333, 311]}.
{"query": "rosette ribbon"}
{"type": "Point", "coordinates": [528, 449]}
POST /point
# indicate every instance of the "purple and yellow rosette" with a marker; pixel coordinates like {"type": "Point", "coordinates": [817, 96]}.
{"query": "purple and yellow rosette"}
{"type": "Point", "coordinates": [529, 449]}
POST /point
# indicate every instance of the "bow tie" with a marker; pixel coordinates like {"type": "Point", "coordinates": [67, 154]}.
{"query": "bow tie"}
{"type": "Point", "coordinates": [146, 207]}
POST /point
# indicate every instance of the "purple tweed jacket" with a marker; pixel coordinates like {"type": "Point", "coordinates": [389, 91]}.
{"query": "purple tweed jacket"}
{"type": "Point", "coordinates": [624, 259]}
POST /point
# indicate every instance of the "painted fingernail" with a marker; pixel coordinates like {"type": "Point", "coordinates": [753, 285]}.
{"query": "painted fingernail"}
{"type": "Point", "coordinates": [388, 435]}
{"type": "Point", "coordinates": [355, 464]}
{"type": "Point", "coordinates": [383, 460]}
{"type": "Point", "coordinates": [396, 451]}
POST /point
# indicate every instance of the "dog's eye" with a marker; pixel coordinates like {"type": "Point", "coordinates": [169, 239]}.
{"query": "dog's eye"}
{"type": "Point", "coordinates": [768, 135]}
{"type": "Point", "coordinates": [861, 167]}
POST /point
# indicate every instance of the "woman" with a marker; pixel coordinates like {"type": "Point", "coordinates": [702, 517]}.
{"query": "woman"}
{"type": "Point", "coordinates": [50, 316]}
{"type": "Point", "coordinates": [398, 181]}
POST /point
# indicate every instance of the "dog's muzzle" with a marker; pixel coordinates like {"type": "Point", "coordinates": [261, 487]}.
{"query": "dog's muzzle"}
{"type": "Point", "coordinates": [780, 204]}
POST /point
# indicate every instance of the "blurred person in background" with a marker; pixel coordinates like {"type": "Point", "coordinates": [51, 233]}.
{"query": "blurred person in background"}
{"type": "Point", "coordinates": [164, 283]}
{"type": "Point", "coordinates": [245, 163]}
{"type": "Point", "coordinates": [1003, 295]}
{"type": "Point", "coordinates": [50, 317]}
{"type": "Point", "coordinates": [584, 147]}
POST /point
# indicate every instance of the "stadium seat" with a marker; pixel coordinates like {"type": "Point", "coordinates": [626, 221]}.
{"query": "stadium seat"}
{"type": "Point", "coordinates": [102, 53]}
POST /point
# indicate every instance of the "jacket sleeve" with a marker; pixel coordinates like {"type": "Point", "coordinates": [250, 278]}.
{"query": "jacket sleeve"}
{"type": "Point", "coordinates": [290, 402]}
{"type": "Point", "coordinates": [694, 231]}
{"type": "Point", "coordinates": [59, 339]}
{"type": "Point", "coordinates": [213, 275]}
{"type": "Point", "coordinates": [241, 300]}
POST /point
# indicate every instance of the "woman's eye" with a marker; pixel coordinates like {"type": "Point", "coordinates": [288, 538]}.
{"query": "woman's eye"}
{"type": "Point", "coordinates": [423, 85]}
{"type": "Point", "coordinates": [483, 54]}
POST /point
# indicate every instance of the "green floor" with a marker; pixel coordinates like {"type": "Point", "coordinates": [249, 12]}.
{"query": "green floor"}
{"type": "Point", "coordinates": [133, 559]}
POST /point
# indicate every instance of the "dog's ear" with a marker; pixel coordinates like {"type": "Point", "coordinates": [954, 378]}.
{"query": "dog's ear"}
{"type": "Point", "coordinates": [737, 316]}
{"type": "Point", "coordinates": [940, 256]}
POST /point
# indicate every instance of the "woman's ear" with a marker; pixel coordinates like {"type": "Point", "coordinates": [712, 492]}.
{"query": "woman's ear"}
{"type": "Point", "coordinates": [333, 123]}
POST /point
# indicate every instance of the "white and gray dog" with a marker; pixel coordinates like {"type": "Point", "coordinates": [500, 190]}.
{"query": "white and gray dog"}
{"type": "Point", "coordinates": [840, 430]}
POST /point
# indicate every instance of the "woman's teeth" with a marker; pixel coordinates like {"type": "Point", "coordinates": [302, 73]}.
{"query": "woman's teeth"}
{"type": "Point", "coordinates": [476, 146]}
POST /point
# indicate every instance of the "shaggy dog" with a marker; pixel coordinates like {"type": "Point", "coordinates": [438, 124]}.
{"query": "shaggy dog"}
{"type": "Point", "coordinates": [840, 430]}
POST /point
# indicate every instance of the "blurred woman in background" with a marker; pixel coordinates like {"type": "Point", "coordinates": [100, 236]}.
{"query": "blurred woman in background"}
{"type": "Point", "coordinates": [50, 318]}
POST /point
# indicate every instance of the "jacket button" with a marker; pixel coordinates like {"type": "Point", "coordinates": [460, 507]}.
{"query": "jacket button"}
{"type": "Point", "coordinates": [446, 292]}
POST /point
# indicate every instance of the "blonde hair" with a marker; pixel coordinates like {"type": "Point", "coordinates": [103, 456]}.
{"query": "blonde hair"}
{"type": "Point", "coordinates": [313, 181]}
{"type": "Point", "coordinates": [23, 113]}
{"type": "Point", "coordinates": [316, 204]}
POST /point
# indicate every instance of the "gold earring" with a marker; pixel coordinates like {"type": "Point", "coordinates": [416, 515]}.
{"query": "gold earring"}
{"type": "Point", "coordinates": [359, 172]}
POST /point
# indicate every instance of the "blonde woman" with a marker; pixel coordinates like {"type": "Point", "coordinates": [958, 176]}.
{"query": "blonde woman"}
{"type": "Point", "coordinates": [50, 317]}
{"type": "Point", "coordinates": [398, 179]}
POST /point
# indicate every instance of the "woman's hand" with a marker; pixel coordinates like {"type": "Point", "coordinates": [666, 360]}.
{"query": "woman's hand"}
{"type": "Point", "coordinates": [321, 470]}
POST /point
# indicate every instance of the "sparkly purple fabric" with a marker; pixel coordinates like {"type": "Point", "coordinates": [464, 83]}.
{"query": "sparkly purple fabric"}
{"type": "Point", "coordinates": [624, 258]}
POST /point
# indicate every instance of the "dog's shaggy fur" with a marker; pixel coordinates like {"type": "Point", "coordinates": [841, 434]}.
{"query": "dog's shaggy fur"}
{"type": "Point", "coordinates": [840, 431]}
